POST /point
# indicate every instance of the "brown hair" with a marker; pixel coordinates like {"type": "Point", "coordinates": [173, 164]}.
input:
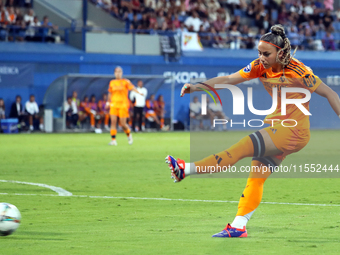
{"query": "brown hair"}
{"type": "Point", "coordinates": [277, 36]}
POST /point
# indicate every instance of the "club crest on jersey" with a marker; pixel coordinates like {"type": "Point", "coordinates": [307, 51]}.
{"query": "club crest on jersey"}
{"type": "Point", "coordinates": [247, 68]}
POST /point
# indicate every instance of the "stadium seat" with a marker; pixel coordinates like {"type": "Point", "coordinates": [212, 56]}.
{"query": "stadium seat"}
{"type": "Point", "coordinates": [336, 35]}
{"type": "Point", "coordinates": [275, 15]}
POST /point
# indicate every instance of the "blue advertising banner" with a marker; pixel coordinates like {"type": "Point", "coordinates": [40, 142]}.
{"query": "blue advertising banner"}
{"type": "Point", "coordinates": [16, 75]}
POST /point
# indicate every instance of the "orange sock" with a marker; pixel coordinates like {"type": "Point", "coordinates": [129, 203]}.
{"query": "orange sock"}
{"type": "Point", "coordinates": [106, 121]}
{"type": "Point", "coordinates": [244, 148]}
{"type": "Point", "coordinates": [127, 131]}
{"type": "Point", "coordinates": [252, 194]}
{"type": "Point", "coordinates": [92, 121]}
{"type": "Point", "coordinates": [162, 122]}
{"type": "Point", "coordinates": [113, 133]}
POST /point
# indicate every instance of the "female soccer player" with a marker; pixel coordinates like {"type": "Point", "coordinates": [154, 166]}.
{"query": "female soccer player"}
{"type": "Point", "coordinates": [119, 104]}
{"type": "Point", "coordinates": [276, 68]}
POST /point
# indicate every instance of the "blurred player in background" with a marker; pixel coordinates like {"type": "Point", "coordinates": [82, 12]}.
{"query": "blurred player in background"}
{"type": "Point", "coordinates": [85, 111]}
{"type": "Point", "coordinates": [150, 111]}
{"type": "Point", "coordinates": [94, 109]}
{"type": "Point", "coordinates": [71, 111]}
{"type": "Point", "coordinates": [276, 68]}
{"type": "Point", "coordinates": [160, 111]}
{"type": "Point", "coordinates": [34, 113]}
{"type": "Point", "coordinates": [75, 98]}
{"type": "Point", "coordinates": [118, 102]}
{"type": "Point", "coordinates": [139, 103]}
{"type": "Point", "coordinates": [103, 112]}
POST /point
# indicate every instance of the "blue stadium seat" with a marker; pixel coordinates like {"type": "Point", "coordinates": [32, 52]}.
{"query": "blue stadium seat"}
{"type": "Point", "coordinates": [336, 35]}
{"type": "Point", "coordinates": [336, 25]}
{"type": "Point", "coordinates": [182, 18]}
{"type": "Point", "coordinates": [239, 12]}
{"type": "Point", "coordinates": [275, 15]}
{"type": "Point", "coordinates": [320, 34]}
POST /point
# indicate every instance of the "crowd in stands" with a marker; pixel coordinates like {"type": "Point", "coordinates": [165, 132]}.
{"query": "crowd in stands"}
{"type": "Point", "coordinates": [310, 24]}
{"type": "Point", "coordinates": [18, 22]}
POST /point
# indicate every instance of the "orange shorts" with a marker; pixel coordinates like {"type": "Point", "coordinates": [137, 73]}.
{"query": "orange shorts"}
{"type": "Point", "coordinates": [288, 139]}
{"type": "Point", "coordinates": [121, 112]}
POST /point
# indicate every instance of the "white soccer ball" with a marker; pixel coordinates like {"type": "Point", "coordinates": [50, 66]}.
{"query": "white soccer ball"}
{"type": "Point", "coordinates": [10, 219]}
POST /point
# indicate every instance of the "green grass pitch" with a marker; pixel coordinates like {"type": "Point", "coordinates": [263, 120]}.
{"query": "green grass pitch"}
{"type": "Point", "coordinates": [90, 223]}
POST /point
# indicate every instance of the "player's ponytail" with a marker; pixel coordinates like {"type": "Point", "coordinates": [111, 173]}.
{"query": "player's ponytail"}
{"type": "Point", "coordinates": [278, 38]}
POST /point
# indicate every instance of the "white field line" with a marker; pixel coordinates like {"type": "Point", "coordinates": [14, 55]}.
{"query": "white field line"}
{"type": "Point", "coordinates": [168, 199]}
{"type": "Point", "coordinates": [60, 191]}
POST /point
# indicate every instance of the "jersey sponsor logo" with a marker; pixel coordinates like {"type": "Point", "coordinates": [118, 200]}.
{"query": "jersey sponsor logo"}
{"type": "Point", "coordinates": [309, 80]}
{"type": "Point", "coordinates": [273, 130]}
{"type": "Point", "coordinates": [247, 69]}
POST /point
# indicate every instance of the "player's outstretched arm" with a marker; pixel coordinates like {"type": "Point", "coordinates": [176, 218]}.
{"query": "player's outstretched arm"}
{"type": "Point", "coordinates": [331, 95]}
{"type": "Point", "coordinates": [231, 79]}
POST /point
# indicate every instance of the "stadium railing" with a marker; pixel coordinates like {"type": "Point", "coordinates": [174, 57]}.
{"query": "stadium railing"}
{"type": "Point", "coordinates": [35, 34]}
{"type": "Point", "coordinates": [61, 34]}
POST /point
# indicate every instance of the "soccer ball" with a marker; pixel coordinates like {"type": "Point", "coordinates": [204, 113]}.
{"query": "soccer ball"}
{"type": "Point", "coordinates": [10, 219]}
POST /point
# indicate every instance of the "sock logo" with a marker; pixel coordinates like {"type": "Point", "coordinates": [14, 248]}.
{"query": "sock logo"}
{"type": "Point", "coordinates": [242, 195]}
{"type": "Point", "coordinates": [229, 155]}
{"type": "Point", "coordinates": [218, 158]}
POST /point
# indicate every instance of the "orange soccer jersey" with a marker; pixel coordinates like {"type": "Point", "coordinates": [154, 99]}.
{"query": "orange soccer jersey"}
{"type": "Point", "coordinates": [119, 90]}
{"type": "Point", "coordinates": [296, 75]}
